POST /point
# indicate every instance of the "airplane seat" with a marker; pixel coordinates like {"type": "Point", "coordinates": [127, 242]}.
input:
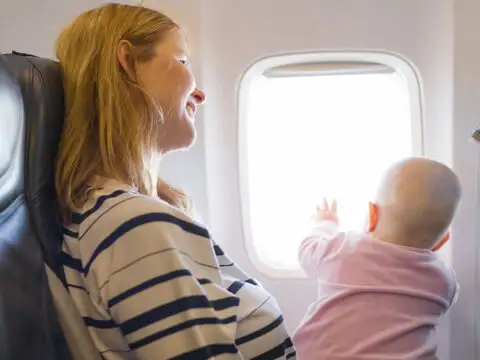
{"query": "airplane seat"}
{"type": "Point", "coordinates": [37, 317]}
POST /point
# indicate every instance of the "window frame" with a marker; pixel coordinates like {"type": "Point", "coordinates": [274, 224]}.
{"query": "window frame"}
{"type": "Point", "coordinates": [399, 64]}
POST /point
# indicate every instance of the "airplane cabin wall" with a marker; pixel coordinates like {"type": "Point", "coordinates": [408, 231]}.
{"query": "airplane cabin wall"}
{"type": "Point", "coordinates": [465, 323]}
{"type": "Point", "coordinates": [236, 34]}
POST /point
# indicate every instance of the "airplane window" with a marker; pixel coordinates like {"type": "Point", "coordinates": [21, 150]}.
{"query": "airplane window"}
{"type": "Point", "coordinates": [309, 134]}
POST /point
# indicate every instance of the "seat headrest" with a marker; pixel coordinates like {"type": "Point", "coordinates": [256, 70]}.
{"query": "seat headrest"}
{"type": "Point", "coordinates": [11, 138]}
{"type": "Point", "coordinates": [31, 120]}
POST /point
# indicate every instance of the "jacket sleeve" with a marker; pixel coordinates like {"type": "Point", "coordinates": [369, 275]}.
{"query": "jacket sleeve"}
{"type": "Point", "coordinates": [316, 245]}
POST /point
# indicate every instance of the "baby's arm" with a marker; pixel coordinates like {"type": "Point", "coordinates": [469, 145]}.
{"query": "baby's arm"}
{"type": "Point", "coordinates": [318, 242]}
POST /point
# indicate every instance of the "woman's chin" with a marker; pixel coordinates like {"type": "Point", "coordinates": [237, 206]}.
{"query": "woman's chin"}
{"type": "Point", "coordinates": [189, 138]}
{"type": "Point", "coordinates": [183, 143]}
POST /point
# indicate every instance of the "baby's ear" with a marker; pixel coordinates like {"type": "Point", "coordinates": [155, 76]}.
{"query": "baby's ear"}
{"type": "Point", "coordinates": [373, 216]}
{"type": "Point", "coordinates": [442, 241]}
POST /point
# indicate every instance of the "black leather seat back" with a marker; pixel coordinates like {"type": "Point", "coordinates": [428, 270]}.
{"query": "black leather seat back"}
{"type": "Point", "coordinates": [31, 120]}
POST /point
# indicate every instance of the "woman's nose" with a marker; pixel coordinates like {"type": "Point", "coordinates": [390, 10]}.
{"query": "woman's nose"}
{"type": "Point", "coordinates": [199, 96]}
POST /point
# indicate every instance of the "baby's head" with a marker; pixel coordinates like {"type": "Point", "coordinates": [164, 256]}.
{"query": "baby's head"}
{"type": "Point", "coordinates": [415, 204]}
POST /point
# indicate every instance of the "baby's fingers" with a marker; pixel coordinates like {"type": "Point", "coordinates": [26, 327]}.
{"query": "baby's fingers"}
{"type": "Point", "coordinates": [334, 206]}
{"type": "Point", "coordinates": [325, 204]}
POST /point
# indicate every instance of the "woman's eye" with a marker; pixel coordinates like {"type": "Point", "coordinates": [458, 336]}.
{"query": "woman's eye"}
{"type": "Point", "coordinates": [184, 62]}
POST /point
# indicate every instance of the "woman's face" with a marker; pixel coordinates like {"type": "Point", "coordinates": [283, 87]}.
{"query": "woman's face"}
{"type": "Point", "coordinates": [170, 81]}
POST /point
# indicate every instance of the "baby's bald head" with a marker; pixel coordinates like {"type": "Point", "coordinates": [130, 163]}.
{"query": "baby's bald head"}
{"type": "Point", "coordinates": [416, 201]}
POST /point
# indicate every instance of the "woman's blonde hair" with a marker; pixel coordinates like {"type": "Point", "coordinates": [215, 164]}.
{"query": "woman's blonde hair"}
{"type": "Point", "coordinates": [111, 124]}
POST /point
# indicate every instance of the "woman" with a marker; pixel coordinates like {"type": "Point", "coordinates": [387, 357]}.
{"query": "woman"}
{"type": "Point", "coordinates": [147, 279]}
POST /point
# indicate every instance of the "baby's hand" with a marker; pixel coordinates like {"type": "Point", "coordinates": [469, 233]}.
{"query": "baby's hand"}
{"type": "Point", "coordinates": [326, 212]}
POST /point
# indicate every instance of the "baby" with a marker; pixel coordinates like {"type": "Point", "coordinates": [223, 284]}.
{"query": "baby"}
{"type": "Point", "coordinates": [381, 293]}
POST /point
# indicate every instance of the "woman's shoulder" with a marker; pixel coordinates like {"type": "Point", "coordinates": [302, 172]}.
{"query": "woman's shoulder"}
{"type": "Point", "coordinates": [119, 223]}
{"type": "Point", "coordinates": [117, 206]}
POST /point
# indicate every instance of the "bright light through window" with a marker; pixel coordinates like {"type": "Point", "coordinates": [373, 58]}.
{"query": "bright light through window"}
{"type": "Point", "coordinates": [313, 136]}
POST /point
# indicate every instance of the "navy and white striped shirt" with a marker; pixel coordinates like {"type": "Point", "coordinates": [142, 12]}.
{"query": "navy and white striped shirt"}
{"type": "Point", "coordinates": [150, 283]}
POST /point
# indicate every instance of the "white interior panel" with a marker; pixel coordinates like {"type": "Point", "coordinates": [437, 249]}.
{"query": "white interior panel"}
{"type": "Point", "coordinates": [235, 37]}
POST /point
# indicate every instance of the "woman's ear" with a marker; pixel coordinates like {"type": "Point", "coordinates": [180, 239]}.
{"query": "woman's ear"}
{"type": "Point", "coordinates": [373, 216]}
{"type": "Point", "coordinates": [442, 242]}
{"type": "Point", "coordinates": [126, 59]}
